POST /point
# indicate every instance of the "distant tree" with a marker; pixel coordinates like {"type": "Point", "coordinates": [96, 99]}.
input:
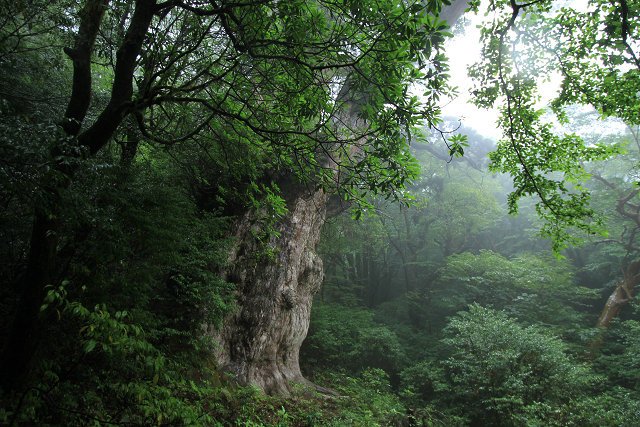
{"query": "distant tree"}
{"type": "Point", "coordinates": [395, 249]}
{"type": "Point", "coordinates": [536, 289]}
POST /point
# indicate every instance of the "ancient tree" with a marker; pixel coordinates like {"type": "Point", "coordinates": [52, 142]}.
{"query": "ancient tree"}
{"type": "Point", "coordinates": [260, 343]}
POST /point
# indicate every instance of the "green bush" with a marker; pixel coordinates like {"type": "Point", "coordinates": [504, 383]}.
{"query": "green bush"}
{"type": "Point", "coordinates": [348, 338]}
{"type": "Point", "coordinates": [620, 358]}
{"type": "Point", "coordinates": [122, 341]}
{"type": "Point", "coordinates": [422, 383]}
{"type": "Point", "coordinates": [506, 374]}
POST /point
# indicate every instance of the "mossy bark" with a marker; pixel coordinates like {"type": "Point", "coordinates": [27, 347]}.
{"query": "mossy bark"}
{"type": "Point", "coordinates": [260, 341]}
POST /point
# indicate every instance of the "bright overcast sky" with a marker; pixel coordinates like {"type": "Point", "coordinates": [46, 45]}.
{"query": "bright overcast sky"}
{"type": "Point", "coordinates": [463, 51]}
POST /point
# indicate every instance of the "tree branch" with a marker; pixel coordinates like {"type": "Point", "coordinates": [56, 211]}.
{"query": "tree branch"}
{"type": "Point", "coordinates": [122, 91]}
{"type": "Point", "coordinates": [91, 17]}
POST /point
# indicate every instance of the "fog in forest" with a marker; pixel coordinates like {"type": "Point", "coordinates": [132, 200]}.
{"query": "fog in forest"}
{"type": "Point", "coordinates": [319, 213]}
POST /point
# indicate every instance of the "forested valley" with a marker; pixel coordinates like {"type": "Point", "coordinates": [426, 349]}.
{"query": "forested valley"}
{"type": "Point", "coordinates": [256, 213]}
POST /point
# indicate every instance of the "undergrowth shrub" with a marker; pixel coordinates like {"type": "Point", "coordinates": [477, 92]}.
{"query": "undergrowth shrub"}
{"type": "Point", "coordinates": [349, 338]}
{"type": "Point", "coordinates": [502, 373]}
{"type": "Point", "coordinates": [121, 339]}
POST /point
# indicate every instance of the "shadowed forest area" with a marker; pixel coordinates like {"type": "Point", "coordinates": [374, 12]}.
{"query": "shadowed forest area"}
{"type": "Point", "coordinates": [256, 213]}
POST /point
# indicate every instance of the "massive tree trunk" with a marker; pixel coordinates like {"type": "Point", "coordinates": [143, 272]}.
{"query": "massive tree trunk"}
{"type": "Point", "coordinates": [259, 343]}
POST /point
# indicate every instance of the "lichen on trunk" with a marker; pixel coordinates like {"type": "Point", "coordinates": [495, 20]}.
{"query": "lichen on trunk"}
{"type": "Point", "coordinates": [260, 341]}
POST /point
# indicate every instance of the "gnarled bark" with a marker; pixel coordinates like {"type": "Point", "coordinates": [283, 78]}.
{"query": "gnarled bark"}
{"type": "Point", "coordinates": [260, 342]}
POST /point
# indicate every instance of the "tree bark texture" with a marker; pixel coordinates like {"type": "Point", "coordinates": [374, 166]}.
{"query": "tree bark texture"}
{"type": "Point", "coordinates": [260, 342]}
{"type": "Point", "coordinates": [626, 286]}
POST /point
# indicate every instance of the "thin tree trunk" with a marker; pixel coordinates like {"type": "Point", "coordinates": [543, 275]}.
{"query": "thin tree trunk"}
{"type": "Point", "coordinates": [23, 340]}
{"type": "Point", "coordinates": [622, 294]}
{"type": "Point", "coordinates": [411, 267]}
{"type": "Point", "coordinates": [409, 283]}
{"type": "Point", "coordinates": [24, 337]}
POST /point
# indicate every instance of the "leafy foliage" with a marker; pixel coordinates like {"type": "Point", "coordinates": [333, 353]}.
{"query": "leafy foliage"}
{"type": "Point", "coordinates": [349, 338]}
{"type": "Point", "coordinates": [113, 218]}
{"type": "Point", "coordinates": [152, 257]}
{"type": "Point", "coordinates": [131, 133]}
{"type": "Point", "coordinates": [590, 57]}
{"type": "Point", "coordinates": [507, 374]}
{"type": "Point", "coordinates": [535, 289]}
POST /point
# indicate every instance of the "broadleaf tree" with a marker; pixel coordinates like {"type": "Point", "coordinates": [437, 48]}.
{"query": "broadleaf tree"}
{"type": "Point", "coordinates": [524, 45]}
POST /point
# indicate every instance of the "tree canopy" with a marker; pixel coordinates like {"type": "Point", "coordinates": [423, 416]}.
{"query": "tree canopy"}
{"type": "Point", "coordinates": [594, 52]}
{"type": "Point", "coordinates": [167, 170]}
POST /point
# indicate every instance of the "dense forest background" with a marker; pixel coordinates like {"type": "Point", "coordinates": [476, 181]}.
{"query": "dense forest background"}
{"type": "Point", "coordinates": [187, 186]}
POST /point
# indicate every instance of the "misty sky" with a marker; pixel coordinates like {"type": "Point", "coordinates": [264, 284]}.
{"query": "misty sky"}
{"type": "Point", "coordinates": [463, 51]}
